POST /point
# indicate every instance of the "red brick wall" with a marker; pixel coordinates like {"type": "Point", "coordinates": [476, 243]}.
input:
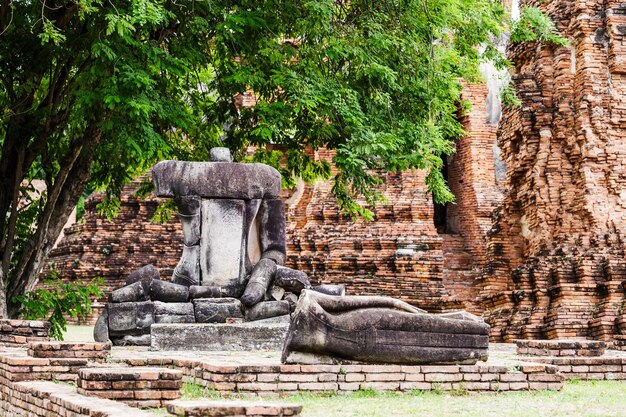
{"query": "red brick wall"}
{"type": "Point", "coordinates": [557, 254]}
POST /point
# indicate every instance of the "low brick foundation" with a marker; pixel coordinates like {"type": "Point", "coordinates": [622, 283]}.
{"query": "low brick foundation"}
{"type": "Point", "coordinates": [16, 333]}
{"type": "Point", "coordinates": [587, 348]}
{"type": "Point", "coordinates": [94, 352]}
{"type": "Point", "coordinates": [16, 365]}
{"type": "Point", "coordinates": [602, 368]}
{"type": "Point", "coordinates": [201, 408]}
{"type": "Point", "coordinates": [47, 399]}
{"type": "Point", "coordinates": [280, 380]}
{"type": "Point", "coordinates": [138, 387]}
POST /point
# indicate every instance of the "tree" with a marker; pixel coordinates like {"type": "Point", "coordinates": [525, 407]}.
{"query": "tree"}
{"type": "Point", "coordinates": [94, 92]}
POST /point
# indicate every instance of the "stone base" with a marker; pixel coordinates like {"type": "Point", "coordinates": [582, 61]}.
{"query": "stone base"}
{"type": "Point", "coordinates": [258, 335]}
{"type": "Point", "coordinates": [561, 347]}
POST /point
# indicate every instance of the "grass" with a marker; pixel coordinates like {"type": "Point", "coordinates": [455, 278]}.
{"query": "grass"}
{"type": "Point", "coordinates": [594, 398]}
{"type": "Point", "coordinates": [76, 333]}
{"type": "Point", "coordinates": [588, 399]}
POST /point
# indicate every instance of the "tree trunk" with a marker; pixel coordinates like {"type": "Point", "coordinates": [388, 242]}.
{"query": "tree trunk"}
{"type": "Point", "coordinates": [4, 313]}
{"type": "Point", "coordinates": [57, 214]}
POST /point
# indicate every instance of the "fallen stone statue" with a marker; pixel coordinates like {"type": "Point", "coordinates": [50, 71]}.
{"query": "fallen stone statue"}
{"type": "Point", "coordinates": [380, 330]}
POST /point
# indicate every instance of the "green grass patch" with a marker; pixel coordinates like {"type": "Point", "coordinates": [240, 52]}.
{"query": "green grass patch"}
{"type": "Point", "coordinates": [578, 398]}
{"type": "Point", "coordinates": [594, 398]}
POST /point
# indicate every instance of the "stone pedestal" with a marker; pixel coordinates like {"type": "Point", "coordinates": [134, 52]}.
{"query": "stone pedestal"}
{"type": "Point", "coordinates": [260, 335]}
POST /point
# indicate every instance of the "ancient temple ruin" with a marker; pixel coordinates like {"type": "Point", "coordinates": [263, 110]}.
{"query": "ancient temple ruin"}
{"type": "Point", "coordinates": [535, 241]}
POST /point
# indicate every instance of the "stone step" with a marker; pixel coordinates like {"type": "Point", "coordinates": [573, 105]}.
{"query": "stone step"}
{"type": "Point", "coordinates": [224, 408]}
{"type": "Point", "coordinates": [257, 335]}
{"type": "Point", "coordinates": [561, 347]}
{"type": "Point", "coordinates": [135, 386]}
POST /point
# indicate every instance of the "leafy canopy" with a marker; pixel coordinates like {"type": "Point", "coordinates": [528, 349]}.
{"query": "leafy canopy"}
{"type": "Point", "coordinates": [377, 82]}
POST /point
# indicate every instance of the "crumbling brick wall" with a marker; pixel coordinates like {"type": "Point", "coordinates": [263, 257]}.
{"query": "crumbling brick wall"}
{"type": "Point", "coordinates": [557, 265]}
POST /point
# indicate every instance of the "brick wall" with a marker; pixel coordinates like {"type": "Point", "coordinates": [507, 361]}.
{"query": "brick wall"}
{"type": "Point", "coordinates": [556, 262]}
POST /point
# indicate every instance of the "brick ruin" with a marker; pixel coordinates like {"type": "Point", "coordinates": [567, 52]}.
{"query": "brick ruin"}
{"type": "Point", "coordinates": [535, 240]}
{"type": "Point", "coordinates": [556, 264]}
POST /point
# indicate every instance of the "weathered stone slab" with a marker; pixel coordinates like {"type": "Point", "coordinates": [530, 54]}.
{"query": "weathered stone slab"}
{"type": "Point", "coordinates": [215, 180]}
{"type": "Point", "coordinates": [130, 293]}
{"type": "Point", "coordinates": [130, 318]}
{"type": "Point", "coordinates": [216, 310]}
{"type": "Point", "coordinates": [168, 292]}
{"type": "Point", "coordinates": [144, 274]}
{"type": "Point", "coordinates": [219, 337]}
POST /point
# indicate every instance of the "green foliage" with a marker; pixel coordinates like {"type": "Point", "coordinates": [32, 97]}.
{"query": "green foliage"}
{"type": "Point", "coordinates": [534, 25]}
{"type": "Point", "coordinates": [378, 82]}
{"type": "Point", "coordinates": [508, 95]}
{"type": "Point", "coordinates": [58, 299]}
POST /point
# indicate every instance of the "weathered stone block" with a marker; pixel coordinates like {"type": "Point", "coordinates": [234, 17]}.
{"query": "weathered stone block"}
{"type": "Point", "coordinates": [259, 282]}
{"type": "Point", "coordinates": [291, 280]}
{"type": "Point", "coordinates": [168, 292]}
{"type": "Point", "coordinates": [204, 291]}
{"type": "Point", "coordinates": [267, 309]}
{"type": "Point", "coordinates": [130, 318]}
{"type": "Point", "coordinates": [216, 310]}
{"type": "Point", "coordinates": [181, 309]}
{"type": "Point", "coordinates": [130, 293]}
{"type": "Point", "coordinates": [215, 337]}
{"type": "Point", "coordinates": [101, 328]}
{"type": "Point", "coordinates": [338, 290]}
{"type": "Point", "coordinates": [173, 312]}
{"type": "Point", "coordinates": [144, 274]}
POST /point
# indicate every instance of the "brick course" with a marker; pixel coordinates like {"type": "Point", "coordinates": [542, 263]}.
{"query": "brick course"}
{"type": "Point", "coordinates": [49, 399]}
{"type": "Point", "coordinates": [268, 380]}
{"type": "Point", "coordinates": [143, 387]}
{"type": "Point", "coordinates": [15, 333]}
